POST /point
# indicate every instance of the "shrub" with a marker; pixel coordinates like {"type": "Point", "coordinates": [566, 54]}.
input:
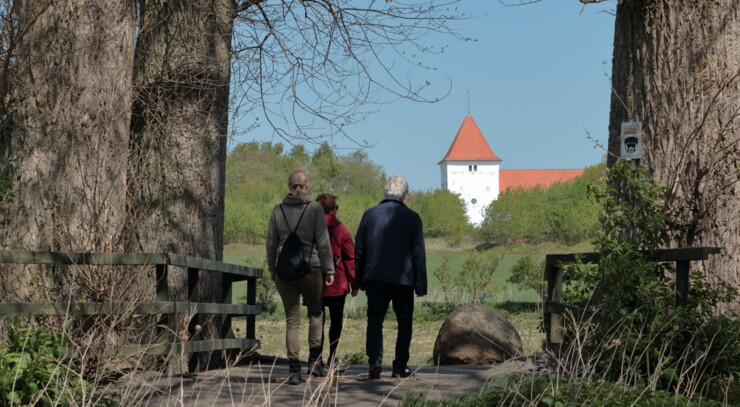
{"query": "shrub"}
{"type": "Point", "coordinates": [442, 212]}
{"type": "Point", "coordinates": [355, 358]}
{"type": "Point", "coordinates": [475, 279]}
{"type": "Point", "coordinates": [641, 328]}
{"type": "Point", "coordinates": [476, 275]}
{"type": "Point", "coordinates": [33, 370]}
{"type": "Point", "coordinates": [563, 212]}
{"type": "Point", "coordinates": [448, 283]}
{"type": "Point", "coordinates": [527, 274]}
{"type": "Point", "coordinates": [266, 289]}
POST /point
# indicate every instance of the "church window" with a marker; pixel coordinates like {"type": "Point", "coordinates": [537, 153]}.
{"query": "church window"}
{"type": "Point", "coordinates": [475, 167]}
{"type": "Point", "coordinates": [470, 168]}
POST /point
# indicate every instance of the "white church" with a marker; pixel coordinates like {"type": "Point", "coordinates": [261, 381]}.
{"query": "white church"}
{"type": "Point", "coordinates": [472, 170]}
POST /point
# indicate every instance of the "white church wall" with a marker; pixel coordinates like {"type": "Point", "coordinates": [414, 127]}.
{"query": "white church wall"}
{"type": "Point", "coordinates": [443, 169]}
{"type": "Point", "coordinates": [477, 183]}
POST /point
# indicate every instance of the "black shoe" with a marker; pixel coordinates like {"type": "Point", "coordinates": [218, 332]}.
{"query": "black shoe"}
{"type": "Point", "coordinates": [317, 369]}
{"type": "Point", "coordinates": [402, 374]}
{"type": "Point", "coordinates": [294, 378]}
{"type": "Point", "coordinates": [375, 370]}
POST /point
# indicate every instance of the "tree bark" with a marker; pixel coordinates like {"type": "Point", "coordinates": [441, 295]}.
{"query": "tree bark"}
{"type": "Point", "coordinates": [178, 145]}
{"type": "Point", "coordinates": [65, 132]}
{"type": "Point", "coordinates": [676, 68]}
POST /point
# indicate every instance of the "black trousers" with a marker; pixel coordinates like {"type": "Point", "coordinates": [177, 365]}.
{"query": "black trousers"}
{"type": "Point", "coordinates": [379, 296]}
{"type": "Point", "coordinates": [335, 306]}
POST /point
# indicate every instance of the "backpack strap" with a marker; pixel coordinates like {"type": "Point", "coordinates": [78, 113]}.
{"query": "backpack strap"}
{"type": "Point", "coordinates": [299, 219]}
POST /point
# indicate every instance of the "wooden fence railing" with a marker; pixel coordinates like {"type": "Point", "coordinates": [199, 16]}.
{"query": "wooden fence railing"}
{"type": "Point", "coordinates": [554, 309]}
{"type": "Point", "coordinates": [162, 307]}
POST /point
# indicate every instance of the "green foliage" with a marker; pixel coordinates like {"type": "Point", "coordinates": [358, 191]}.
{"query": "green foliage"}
{"type": "Point", "coordinates": [355, 358]}
{"type": "Point", "coordinates": [527, 274]}
{"type": "Point", "coordinates": [325, 168]}
{"type": "Point", "coordinates": [266, 289]}
{"type": "Point", "coordinates": [448, 282]}
{"type": "Point", "coordinates": [640, 321]}
{"type": "Point", "coordinates": [563, 212]}
{"type": "Point", "coordinates": [442, 213]}
{"type": "Point", "coordinates": [475, 279]}
{"type": "Point", "coordinates": [256, 180]}
{"type": "Point", "coordinates": [431, 311]}
{"type": "Point", "coordinates": [33, 371]}
{"type": "Point", "coordinates": [551, 391]}
{"type": "Point", "coordinates": [477, 275]}
{"type": "Point", "coordinates": [359, 176]}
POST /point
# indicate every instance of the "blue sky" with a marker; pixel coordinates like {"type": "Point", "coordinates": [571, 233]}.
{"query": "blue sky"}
{"type": "Point", "coordinates": [539, 81]}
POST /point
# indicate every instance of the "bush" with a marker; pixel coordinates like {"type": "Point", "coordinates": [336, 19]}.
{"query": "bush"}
{"type": "Point", "coordinates": [656, 340]}
{"type": "Point", "coordinates": [527, 274]}
{"type": "Point", "coordinates": [33, 371]}
{"type": "Point", "coordinates": [442, 213]}
{"type": "Point", "coordinates": [563, 212]}
{"type": "Point", "coordinates": [266, 289]}
{"type": "Point", "coordinates": [475, 279]}
{"type": "Point", "coordinates": [256, 180]}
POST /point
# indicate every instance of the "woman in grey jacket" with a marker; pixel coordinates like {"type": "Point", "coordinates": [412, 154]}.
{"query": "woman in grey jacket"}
{"type": "Point", "coordinates": [315, 239]}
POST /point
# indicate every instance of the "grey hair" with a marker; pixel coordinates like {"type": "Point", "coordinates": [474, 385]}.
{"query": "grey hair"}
{"type": "Point", "coordinates": [396, 187]}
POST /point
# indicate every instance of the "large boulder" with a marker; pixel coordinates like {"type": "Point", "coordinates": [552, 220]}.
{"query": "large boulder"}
{"type": "Point", "coordinates": [476, 334]}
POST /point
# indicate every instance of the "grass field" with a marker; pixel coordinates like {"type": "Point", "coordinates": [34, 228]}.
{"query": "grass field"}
{"type": "Point", "coordinates": [520, 307]}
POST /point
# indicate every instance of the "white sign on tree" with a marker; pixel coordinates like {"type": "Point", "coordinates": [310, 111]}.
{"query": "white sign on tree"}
{"type": "Point", "coordinates": [631, 140]}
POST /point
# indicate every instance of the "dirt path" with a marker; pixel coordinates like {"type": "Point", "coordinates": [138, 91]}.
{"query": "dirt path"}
{"type": "Point", "coordinates": [260, 384]}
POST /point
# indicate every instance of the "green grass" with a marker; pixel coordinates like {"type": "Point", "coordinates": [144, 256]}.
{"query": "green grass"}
{"type": "Point", "coordinates": [238, 253]}
{"type": "Point", "coordinates": [520, 307]}
{"type": "Point", "coordinates": [505, 291]}
{"type": "Point", "coordinates": [549, 390]}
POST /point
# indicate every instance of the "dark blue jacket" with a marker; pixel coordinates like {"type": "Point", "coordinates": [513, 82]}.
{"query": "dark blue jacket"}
{"type": "Point", "coordinates": [389, 247]}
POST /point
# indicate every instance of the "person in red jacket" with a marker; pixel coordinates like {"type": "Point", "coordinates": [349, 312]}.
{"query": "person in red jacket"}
{"type": "Point", "coordinates": [343, 251]}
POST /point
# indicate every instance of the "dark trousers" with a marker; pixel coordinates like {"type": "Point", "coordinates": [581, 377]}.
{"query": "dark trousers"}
{"type": "Point", "coordinates": [335, 305]}
{"type": "Point", "coordinates": [379, 295]}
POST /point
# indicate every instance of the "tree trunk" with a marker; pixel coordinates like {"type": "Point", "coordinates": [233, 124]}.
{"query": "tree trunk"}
{"type": "Point", "coordinates": [178, 146]}
{"type": "Point", "coordinates": [676, 68]}
{"type": "Point", "coordinates": [64, 136]}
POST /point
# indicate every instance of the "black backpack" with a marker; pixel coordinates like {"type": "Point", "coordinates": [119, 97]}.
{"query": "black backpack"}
{"type": "Point", "coordinates": [291, 262]}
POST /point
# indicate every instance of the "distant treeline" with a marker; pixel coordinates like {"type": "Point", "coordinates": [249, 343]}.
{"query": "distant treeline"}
{"type": "Point", "coordinates": [256, 180]}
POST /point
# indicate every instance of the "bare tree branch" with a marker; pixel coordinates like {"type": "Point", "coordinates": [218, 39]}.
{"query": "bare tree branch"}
{"type": "Point", "coordinates": [316, 66]}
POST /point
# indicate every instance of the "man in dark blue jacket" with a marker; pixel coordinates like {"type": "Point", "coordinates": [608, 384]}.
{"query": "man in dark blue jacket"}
{"type": "Point", "coordinates": [390, 265]}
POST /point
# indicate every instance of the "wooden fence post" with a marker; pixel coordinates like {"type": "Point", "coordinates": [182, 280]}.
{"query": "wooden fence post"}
{"type": "Point", "coordinates": [251, 300]}
{"type": "Point", "coordinates": [193, 297]}
{"type": "Point", "coordinates": [162, 296]}
{"type": "Point", "coordinates": [556, 295]}
{"type": "Point", "coordinates": [682, 282]}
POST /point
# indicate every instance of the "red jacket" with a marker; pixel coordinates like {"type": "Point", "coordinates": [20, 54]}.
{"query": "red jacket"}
{"type": "Point", "coordinates": [343, 251]}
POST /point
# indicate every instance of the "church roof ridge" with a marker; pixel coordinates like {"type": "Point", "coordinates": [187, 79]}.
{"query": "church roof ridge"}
{"type": "Point", "coordinates": [469, 144]}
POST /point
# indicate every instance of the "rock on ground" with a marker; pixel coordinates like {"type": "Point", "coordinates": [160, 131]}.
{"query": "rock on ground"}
{"type": "Point", "coordinates": [476, 334]}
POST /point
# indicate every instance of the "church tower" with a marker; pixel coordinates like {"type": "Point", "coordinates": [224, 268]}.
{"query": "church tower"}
{"type": "Point", "coordinates": [471, 169]}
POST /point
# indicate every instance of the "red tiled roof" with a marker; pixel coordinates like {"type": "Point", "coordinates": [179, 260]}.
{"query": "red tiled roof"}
{"type": "Point", "coordinates": [531, 178]}
{"type": "Point", "coordinates": [469, 144]}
